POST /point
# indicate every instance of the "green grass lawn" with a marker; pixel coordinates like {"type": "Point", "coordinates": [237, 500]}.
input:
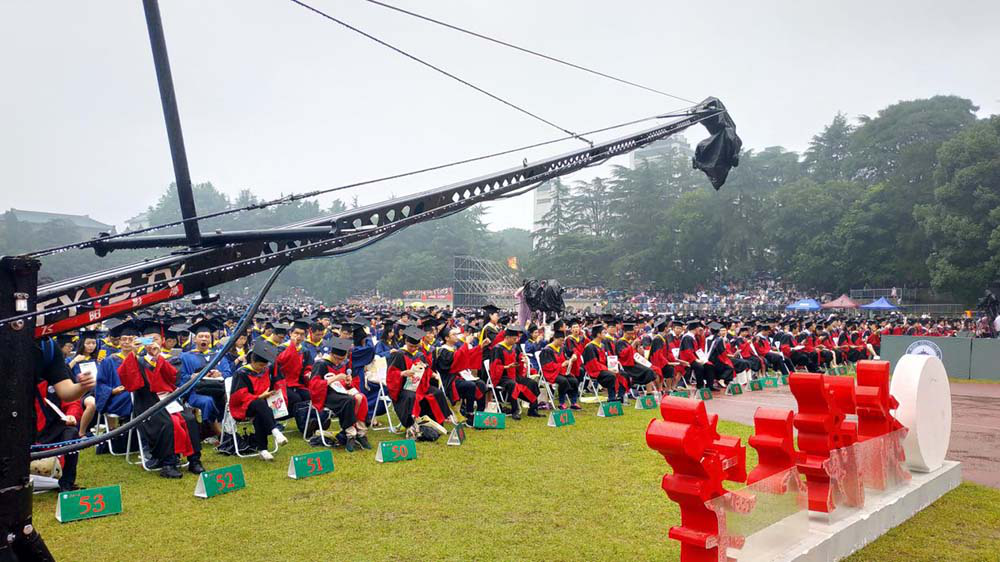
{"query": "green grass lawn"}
{"type": "Point", "coordinates": [530, 492]}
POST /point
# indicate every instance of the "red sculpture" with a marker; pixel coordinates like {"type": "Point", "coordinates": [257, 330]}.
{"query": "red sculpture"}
{"type": "Point", "coordinates": [701, 459]}
{"type": "Point", "coordinates": [874, 400]}
{"type": "Point", "coordinates": [774, 443]}
{"type": "Point", "coordinates": [822, 428]}
{"type": "Point", "coordinates": [832, 451]}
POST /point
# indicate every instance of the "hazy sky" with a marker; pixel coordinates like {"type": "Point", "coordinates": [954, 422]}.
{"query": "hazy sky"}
{"type": "Point", "coordinates": [279, 100]}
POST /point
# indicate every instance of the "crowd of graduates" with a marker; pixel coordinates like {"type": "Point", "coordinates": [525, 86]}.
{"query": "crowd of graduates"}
{"type": "Point", "coordinates": [430, 367]}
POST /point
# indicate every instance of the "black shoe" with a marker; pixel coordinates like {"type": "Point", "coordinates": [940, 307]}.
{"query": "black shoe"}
{"type": "Point", "coordinates": [516, 415]}
{"type": "Point", "coordinates": [351, 445]}
{"type": "Point", "coordinates": [69, 487]}
{"type": "Point", "coordinates": [196, 467]}
{"type": "Point", "coordinates": [170, 471]}
{"type": "Point", "coordinates": [533, 413]}
{"type": "Point", "coordinates": [363, 440]}
{"type": "Point", "coordinates": [280, 427]}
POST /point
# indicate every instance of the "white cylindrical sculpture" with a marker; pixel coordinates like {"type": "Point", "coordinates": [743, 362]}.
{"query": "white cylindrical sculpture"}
{"type": "Point", "coordinates": [921, 386]}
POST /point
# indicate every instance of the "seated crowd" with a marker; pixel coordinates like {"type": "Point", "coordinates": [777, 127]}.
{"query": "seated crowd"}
{"type": "Point", "coordinates": [430, 366]}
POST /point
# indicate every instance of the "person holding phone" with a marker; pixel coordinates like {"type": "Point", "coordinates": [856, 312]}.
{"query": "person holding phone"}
{"type": "Point", "coordinates": [172, 430]}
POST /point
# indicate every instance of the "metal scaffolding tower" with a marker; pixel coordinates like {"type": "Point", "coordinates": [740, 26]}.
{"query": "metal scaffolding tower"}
{"type": "Point", "coordinates": [478, 281]}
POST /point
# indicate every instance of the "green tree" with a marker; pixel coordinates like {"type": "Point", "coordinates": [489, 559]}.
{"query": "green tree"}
{"type": "Point", "coordinates": [963, 222]}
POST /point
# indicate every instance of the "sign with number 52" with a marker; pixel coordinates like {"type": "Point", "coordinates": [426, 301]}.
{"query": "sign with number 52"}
{"type": "Point", "coordinates": [212, 483]}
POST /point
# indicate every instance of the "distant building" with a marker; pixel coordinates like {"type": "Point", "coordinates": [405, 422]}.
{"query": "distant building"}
{"type": "Point", "coordinates": [661, 149]}
{"type": "Point", "coordinates": [87, 226]}
{"type": "Point", "coordinates": [139, 221]}
{"type": "Point", "coordinates": [541, 203]}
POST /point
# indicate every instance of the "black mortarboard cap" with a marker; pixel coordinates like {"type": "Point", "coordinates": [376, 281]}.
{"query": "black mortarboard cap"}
{"type": "Point", "coordinates": [205, 325]}
{"type": "Point", "coordinates": [339, 346]}
{"type": "Point", "coordinates": [513, 331]}
{"type": "Point", "coordinates": [265, 350]}
{"type": "Point", "coordinates": [126, 328]}
{"type": "Point", "coordinates": [490, 308]}
{"type": "Point", "coordinates": [413, 334]}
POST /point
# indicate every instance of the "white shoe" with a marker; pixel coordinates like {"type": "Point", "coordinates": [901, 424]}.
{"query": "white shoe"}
{"type": "Point", "coordinates": [266, 455]}
{"type": "Point", "coordinates": [279, 437]}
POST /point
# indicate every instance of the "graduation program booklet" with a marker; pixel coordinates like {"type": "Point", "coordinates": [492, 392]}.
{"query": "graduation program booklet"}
{"type": "Point", "coordinates": [278, 405]}
{"type": "Point", "coordinates": [467, 375]}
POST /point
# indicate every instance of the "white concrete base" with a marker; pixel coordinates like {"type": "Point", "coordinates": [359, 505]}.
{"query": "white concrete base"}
{"type": "Point", "coordinates": [851, 529]}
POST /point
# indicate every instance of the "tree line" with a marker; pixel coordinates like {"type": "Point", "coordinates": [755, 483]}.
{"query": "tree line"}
{"type": "Point", "coordinates": [908, 197]}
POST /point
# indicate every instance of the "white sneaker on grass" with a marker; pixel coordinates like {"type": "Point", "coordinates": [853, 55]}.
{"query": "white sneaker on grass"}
{"type": "Point", "coordinates": [266, 455]}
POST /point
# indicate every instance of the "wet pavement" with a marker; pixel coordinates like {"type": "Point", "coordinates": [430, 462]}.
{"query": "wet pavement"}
{"type": "Point", "coordinates": [975, 423]}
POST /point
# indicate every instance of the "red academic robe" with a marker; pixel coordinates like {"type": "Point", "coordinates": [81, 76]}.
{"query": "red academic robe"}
{"type": "Point", "coordinates": [161, 378]}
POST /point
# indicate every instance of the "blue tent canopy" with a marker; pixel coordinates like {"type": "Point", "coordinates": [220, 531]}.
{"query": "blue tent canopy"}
{"type": "Point", "coordinates": [804, 305]}
{"type": "Point", "coordinates": [880, 304]}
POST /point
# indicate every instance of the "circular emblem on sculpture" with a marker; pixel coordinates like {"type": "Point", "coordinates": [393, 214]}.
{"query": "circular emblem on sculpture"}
{"type": "Point", "coordinates": [920, 384]}
{"type": "Point", "coordinates": [924, 347]}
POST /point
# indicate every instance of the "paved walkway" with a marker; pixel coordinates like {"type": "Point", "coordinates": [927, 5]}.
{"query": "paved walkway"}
{"type": "Point", "coordinates": [975, 423]}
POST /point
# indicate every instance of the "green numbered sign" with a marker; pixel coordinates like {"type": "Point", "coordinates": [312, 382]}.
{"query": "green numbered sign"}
{"type": "Point", "coordinates": [310, 464]}
{"type": "Point", "coordinates": [489, 420]}
{"type": "Point", "coordinates": [646, 402]}
{"type": "Point", "coordinates": [770, 382]}
{"type": "Point", "coordinates": [457, 436]}
{"type": "Point", "coordinates": [680, 393]}
{"type": "Point", "coordinates": [559, 418]}
{"type": "Point", "coordinates": [89, 503]}
{"type": "Point", "coordinates": [756, 385]}
{"type": "Point", "coordinates": [704, 394]}
{"type": "Point", "coordinates": [610, 410]}
{"type": "Point", "coordinates": [734, 388]}
{"type": "Point", "coordinates": [220, 481]}
{"type": "Point", "coordinates": [784, 380]}
{"type": "Point", "coordinates": [392, 451]}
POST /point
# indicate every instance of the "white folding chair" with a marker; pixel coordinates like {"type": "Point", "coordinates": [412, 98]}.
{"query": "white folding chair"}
{"type": "Point", "coordinates": [384, 399]}
{"type": "Point", "coordinates": [319, 424]}
{"type": "Point", "coordinates": [551, 390]}
{"type": "Point", "coordinates": [230, 424]}
{"type": "Point", "coordinates": [105, 420]}
{"type": "Point", "coordinates": [497, 393]}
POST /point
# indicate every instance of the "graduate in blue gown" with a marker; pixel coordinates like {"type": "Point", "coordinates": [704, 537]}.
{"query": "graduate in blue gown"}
{"type": "Point", "coordinates": [111, 397]}
{"type": "Point", "coordinates": [209, 394]}
{"type": "Point", "coordinates": [362, 354]}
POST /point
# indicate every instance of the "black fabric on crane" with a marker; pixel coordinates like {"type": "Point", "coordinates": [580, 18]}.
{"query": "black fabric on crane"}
{"type": "Point", "coordinates": [719, 153]}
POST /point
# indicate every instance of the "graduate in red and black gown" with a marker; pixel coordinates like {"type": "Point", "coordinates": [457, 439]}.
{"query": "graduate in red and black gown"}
{"type": "Point", "coordinates": [595, 364]}
{"type": "Point", "coordinates": [625, 349]}
{"type": "Point", "coordinates": [774, 359]}
{"type": "Point", "coordinates": [719, 361]}
{"type": "Point", "coordinates": [171, 431]}
{"type": "Point", "coordinates": [556, 369]}
{"type": "Point", "coordinates": [333, 386]}
{"type": "Point", "coordinates": [509, 372]}
{"type": "Point", "coordinates": [747, 354]}
{"type": "Point", "coordinates": [456, 363]}
{"type": "Point", "coordinates": [660, 356]}
{"type": "Point", "coordinates": [253, 384]}
{"type": "Point", "coordinates": [704, 375]}
{"type": "Point", "coordinates": [293, 365]}
{"type": "Point", "coordinates": [55, 387]}
{"type": "Point", "coordinates": [408, 379]}
{"type": "Point", "coordinates": [575, 341]}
